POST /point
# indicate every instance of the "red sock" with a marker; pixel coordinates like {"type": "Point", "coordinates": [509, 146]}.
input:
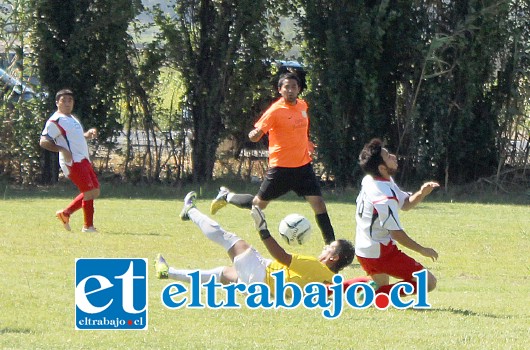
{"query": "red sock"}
{"type": "Point", "coordinates": [75, 205]}
{"type": "Point", "coordinates": [386, 289]}
{"type": "Point", "coordinates": [88, 211]}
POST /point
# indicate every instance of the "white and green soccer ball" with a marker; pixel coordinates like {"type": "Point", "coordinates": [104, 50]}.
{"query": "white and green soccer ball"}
{"type": "Point", "coordinates": [295, 229]}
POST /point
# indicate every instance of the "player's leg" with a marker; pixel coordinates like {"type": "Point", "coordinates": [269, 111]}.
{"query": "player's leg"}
{"type": "Point", "coordinates": [307, 185]}
{"type": "Point", "coordinates": [74, 205]}
{"type": "Point", "coordinates": [381, 279]}
{"type": "Point", "coordinates": [275, 185]}
{"type": "Point", "coordinates": [322, 218]}
{"type": "Point", "coordinates": [224, 274]}
{"type": "Point", "coordinates": [231, 243]}
{"type": "Point", "coordinates": [64, 214]}
{"type": "Point", "coordinates": [397, 264]}
{"type": "Point", "coordinates": [400, 265]}
{"type": "Point", "coordinates": [350, 281]}
{"type": "Point", "coordinates": [225, 196]}
{"type": "Point", "coordinates": [84, 177]}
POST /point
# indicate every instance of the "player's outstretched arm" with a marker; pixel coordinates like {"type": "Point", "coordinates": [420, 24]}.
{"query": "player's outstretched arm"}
{"type": "Point", "coordinates": [276, 250]}
{"type": "Point", "coordinates": [417, 197]}
{"type": "Point", "coordinates": [404, 239]}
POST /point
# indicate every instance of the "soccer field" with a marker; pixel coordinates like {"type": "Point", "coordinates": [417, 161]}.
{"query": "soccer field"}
{"type": "Point", "coordinates": [481, 301]}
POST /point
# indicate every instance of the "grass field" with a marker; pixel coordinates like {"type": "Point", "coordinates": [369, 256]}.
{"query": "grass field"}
{"type": "Point", "coordinates": [481, 301]}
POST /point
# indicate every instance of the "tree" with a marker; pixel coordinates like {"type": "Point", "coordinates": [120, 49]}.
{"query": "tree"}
{"type": "Point", "coordinates": [421, 75]}
{"type": "Point", "coordinates": [219, 48]}
{"type": "Point", "coordinates": [357, 52]}
{"type": "Point", "coordinates": [19, 104]}
{"type": "Point", "coordinates": [82, 44]}
{"type": "Point", "coordinates": [461, 95]}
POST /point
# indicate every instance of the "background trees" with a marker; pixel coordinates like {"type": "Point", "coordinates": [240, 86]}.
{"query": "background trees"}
{"type": "Point", "coordinates": [445, 83]}
{"type": "Point", "coordinates": [425, 77]}
{"type": "Point", "coordinates": [220, 48]}
{"type": "Point", "coordinates": [19, 151]}
{"type": "Point", "coordinates": [83, 45]}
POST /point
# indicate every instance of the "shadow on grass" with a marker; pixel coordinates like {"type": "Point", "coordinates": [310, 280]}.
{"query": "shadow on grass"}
{"type": "Point", "coordinates": [15, 331]}
{"type": "Point", "coordinates": [464, 312]}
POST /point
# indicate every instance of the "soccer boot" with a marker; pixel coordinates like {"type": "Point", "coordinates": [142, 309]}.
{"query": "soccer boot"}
{"type": "Point", "coordinates": [219, 201]}
{"type": "Point", "coordinates": [65, 219]}
{"type": "Point", "coordinates": [161, 267]}
{"type": "Point", "coordinates": [189, 202]}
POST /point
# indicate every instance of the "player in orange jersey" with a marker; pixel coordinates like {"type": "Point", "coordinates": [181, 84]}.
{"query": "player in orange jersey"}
{"type": "Point", "coordinates": [290, 168]}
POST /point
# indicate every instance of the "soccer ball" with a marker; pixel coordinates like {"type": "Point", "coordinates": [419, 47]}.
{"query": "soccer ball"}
{"type": "Point", "coordinates": [295, 229]}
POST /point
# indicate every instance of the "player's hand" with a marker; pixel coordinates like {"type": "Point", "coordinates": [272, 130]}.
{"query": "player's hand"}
{"type": "Point", "coordinates": [255, 135]}
{"type": "Point", "coordinates": [428, 187]}
{"type": "Point", "coordinates": [259, 218]}
{"type": "Point", "coordinates": [430, 253]}
{"type": "Point", "coordinates": [91, 134]}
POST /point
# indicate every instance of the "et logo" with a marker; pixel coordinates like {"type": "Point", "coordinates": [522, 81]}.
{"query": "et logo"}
{"type": "Point", "coordinates": [111, 294]}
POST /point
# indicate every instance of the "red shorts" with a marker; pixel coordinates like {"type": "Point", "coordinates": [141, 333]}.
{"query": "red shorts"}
{"type": "Point", "coordinates": [83, 176]}
{"type": "Point", "coordinates": [393, 262]}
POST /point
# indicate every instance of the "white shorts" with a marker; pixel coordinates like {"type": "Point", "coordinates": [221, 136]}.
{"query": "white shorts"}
{"type": "Point", "coordinates": [251, 266]}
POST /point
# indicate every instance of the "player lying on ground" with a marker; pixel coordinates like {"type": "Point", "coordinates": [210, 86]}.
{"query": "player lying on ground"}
{"type": "Point", "coordinates": [248, 265]}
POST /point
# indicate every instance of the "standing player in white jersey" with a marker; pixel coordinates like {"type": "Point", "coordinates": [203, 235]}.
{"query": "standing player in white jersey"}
{"type": "Point", "coordinates": [64, 134]}
{"type": "Point", "coordinates": [378, 224]}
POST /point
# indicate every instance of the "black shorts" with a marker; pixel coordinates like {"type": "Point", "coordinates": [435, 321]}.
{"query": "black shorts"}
{"type": "Point", "coordinates": [280, 180]}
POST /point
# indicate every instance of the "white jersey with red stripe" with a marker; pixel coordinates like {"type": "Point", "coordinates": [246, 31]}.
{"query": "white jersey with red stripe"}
{"type": "Point", "coordinates": [378, 207]}
{"type": "Point", "coordinates": [66, 131]}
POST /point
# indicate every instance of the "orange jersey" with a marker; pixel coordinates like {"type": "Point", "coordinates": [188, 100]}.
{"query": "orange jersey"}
{"type": "Point", "coordinates": [288, 127]}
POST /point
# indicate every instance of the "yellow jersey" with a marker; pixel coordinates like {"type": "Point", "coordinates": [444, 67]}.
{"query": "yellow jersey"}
{"type": "Point", "coordinates": [303, 270]}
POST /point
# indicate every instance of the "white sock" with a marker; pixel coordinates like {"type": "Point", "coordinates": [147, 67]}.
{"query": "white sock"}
{"type": "Point", "coordinates": [212, 230]}
{"type": "Point", "coordinates": [182, 275]}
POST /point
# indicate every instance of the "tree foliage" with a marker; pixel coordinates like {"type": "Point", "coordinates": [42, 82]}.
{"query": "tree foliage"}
{"type": "Point", "coordinates": [445, 83]}
{"type": "Point", "coordinates": [83, 45]}
{"type": "Point", "coordinates": [19, 107]}
{"type": "Point", "coordinates": [423, 75]}
{"type": "Point", "coordinates": [220, 49]}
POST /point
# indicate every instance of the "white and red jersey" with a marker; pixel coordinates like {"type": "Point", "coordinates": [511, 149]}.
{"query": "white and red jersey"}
{"type": "Point", "coordinates": [378, 205]}
{"type": "Point", "coordinates": [66, 131]}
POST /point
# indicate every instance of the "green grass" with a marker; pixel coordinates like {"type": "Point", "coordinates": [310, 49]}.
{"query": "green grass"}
{"type": "Point", "coordinates": [481, 301]}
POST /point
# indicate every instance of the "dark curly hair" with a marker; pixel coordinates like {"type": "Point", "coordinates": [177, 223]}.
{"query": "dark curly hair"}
{"type": "Point", "coordinates": [290, 75]}
{"type": "Point", "coordinates": [370, 157]}
{"type": "Point", "coordinates": [346, 253]}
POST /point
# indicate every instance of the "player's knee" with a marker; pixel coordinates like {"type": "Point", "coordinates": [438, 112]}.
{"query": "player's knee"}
{"type": "Point", "coordinates": [318, 204]}
{"type": "Point", "coordinates": [431, 282]}
{"type": "Point", "coordinates": [92, 194]}
{"type": "Point", "coordinates": [260, 202]}
{"type": "Point", "coordinates": [228, 275]}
